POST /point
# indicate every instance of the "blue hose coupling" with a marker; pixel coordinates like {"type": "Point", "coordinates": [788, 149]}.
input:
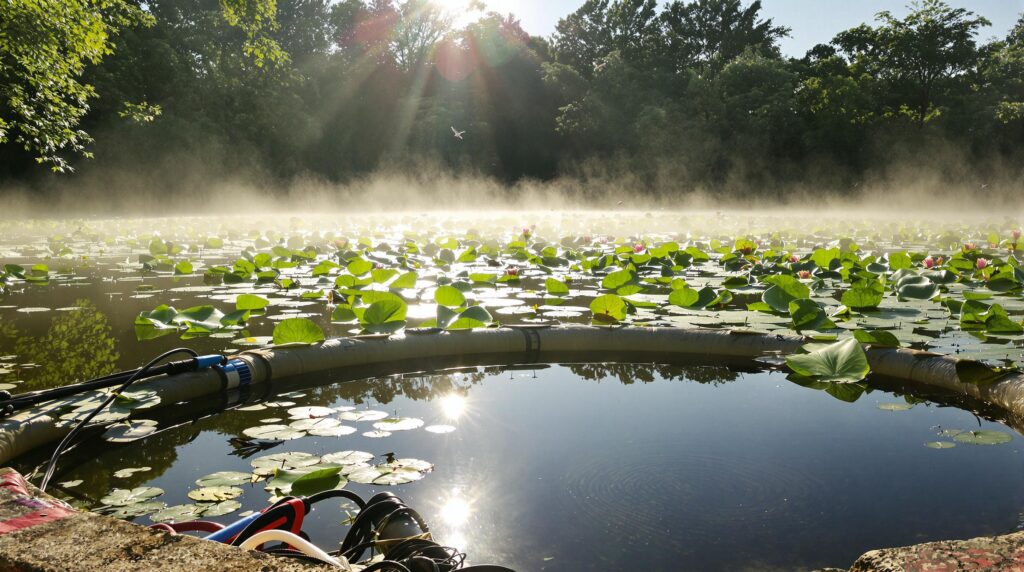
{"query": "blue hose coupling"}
{"type": "Point", "coordinates": [203, 362]}
{"type": "Point", "coordinates": [235, 373]}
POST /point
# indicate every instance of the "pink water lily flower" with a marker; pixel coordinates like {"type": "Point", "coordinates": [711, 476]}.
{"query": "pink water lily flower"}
{"type": "Point", "coordinates": [982, 264]}
{"type": "Point", "coordinates": [970, 246]}
{"type": "Point", "coordinates": [512, 271]}
{"type": "Point", "coordinates": [1016, 235]}
{"type": "Point", "coordinates": [929, 262]}
{"type": "Point", "coordinates": [793, 259]}
{"type": "Point", "coordinates": [804, 274]}
{"type": "Point", "coordinates": [638, 248]}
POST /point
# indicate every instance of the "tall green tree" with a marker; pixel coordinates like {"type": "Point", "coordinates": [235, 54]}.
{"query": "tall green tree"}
{"type": "Point", "coordinates": [45, 46]}
{"type": "Point", "coordinates": [921, 58]}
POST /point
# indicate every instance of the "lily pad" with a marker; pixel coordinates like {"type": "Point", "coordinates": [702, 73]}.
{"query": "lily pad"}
{"type": "Point", "coordinates": [224, 479]}
{"type": "Point", "coordinates": [895, 406]}
{"type": "Point", "coordinates": [983, 437]}
{"type": "Point", "coordinates": [841, 362]}
{"type": "Point", "coordinates": [940, 445]}
{"type": "Point", "coordinates": [215, 494]}
{"type": "Point", "coordinates": [130, 431]}
{"type": "Point", "coordinates": [125, 497]}
{"type": "Point", "coordinates": [348, 457]}
{"type": "Point", "coordinates": [273, 432]}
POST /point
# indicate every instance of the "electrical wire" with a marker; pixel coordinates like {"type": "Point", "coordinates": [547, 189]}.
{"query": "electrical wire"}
{"type": "Point", "coordinates": [66, 442]}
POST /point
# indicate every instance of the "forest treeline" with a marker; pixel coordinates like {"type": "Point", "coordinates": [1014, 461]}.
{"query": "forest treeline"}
{"type": "Point", "coordinates": [677, 96]}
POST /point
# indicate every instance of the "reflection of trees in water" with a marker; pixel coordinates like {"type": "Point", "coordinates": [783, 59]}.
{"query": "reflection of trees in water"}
{"type": "Point", "coordinates": [77, 345]}
{"type": "Point", "coordinates": [94, 462]}
{"type": "Point", "coordinates": [418, 387]}
{"type": "Point", "coordinates": [628, 373]}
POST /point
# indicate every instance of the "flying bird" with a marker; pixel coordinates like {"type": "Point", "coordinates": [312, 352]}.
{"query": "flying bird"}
{"type": "Point", "coordinates": [458, 134]}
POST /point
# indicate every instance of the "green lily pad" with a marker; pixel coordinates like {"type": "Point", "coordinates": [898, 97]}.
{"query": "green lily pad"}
{"type": "Point", "coordinates": [983, 437]}
{"type": "Point", "coordinates": [125, 497]}
{"type": "Point", "coordinates": [224, 479]}
{"type": "Point", "coordinates": [215, 494]}
{"type": "Point", "coordinates": [841, 362]}
{"type": "Point", "coordinates": [273, 432]}
{"type": "Point", "coordinates": [940, 445]}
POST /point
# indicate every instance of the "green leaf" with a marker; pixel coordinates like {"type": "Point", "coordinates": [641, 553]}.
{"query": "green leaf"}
{"type": "Point", "coordinates": [983, 437]}
{"type": "Point", "coordinates": [359, 266]}
{"type": "Point", "coordinates": [900, 261]}
{"type": "Point", "coordinates": [297, 331]}
{"type": "Point", "coordinates": [618, 279]}
{"type": "Point", "coordinates": [877, 338]}
{"type": "Point", "coordinates": [384, 311]}
{"type": "Point", "coordinates": [251, 302]}
{"type": "Point", "coordinates": [865, 295]}
{"type": "Point", "coordinates": [306, 481]}
{"type": "Point", "coordinates": [684, 297]}
{"type": "Point", "coordinates": [608, 308]}
{"type": "Point", "coordinates": [449, 296]}
{"type": "Point", "coordinates": [556, 287]}
{"type": "Point", "coordinates": [841, 362]}
{"type": "Point", "coordinates": [808, 315]}
{"type": "Point", "coordinates": [784, 289]}
{"type": "Point", "coordinates": [407, 280]}
{"type": "Point", "coordinates": [472, 317]}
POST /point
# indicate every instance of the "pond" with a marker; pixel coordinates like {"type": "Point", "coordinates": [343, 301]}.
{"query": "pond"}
{"type": "Point", "coordinates": [615, 466]}
{"type": "Point", "coordinates": [561, 467]}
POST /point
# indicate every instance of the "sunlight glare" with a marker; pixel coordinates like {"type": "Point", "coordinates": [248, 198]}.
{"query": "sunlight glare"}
{"type": "Point", "coordinates": [455, 511]}
{"type": "Point", "coordinates": [453, 406]}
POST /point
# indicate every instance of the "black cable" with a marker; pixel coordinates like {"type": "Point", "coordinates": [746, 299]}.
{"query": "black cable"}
{"type": "Point", "coordinates": [66, 442]}
{"type": "Point", "coordinates": [336, 493]}
{"type": "Point", "coordinates": [387, 565]}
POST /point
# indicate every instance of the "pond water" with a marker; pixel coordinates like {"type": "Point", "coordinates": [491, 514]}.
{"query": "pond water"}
{"type": "Point", "coordinates": [581, 467]}
{"type": "Point", "coordinates": [614, 467]}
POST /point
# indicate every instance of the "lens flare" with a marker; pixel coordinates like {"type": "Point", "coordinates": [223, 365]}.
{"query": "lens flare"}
{"type": "Point", "coordinates": [455, 511]}
{"type": "Point", "coordinates": [453, 406]}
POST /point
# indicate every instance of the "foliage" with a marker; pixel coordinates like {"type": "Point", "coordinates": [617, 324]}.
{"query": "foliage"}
{"type": "Point", "coordinates": [697, 93]}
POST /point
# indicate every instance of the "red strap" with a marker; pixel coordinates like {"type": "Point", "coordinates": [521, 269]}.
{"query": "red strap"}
{"type": "Point", "coordinates": [300, 514]}
{"type": "Point", "coordinates": [41, 512]}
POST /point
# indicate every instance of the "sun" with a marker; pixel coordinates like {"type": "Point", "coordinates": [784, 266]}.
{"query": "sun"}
{"type": "Point", "coordinates": [453, 6]}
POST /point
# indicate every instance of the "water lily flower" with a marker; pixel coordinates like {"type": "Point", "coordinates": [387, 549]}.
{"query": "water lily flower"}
{"type": "Point", "coordinates": [793, 259]}
{"type": "Point", "coordinates": [982, 264]}
{"type": "Point", "coordinates": [512, 271]}
{"type": "Point", "coordinates": [968, 246]}
{"type": "Point", "coordinates": [804, 274]}
{"type": "Point", "coordinates": [1016, 235]}
{"type": "Point", "coordinates": [929, 262]}
{"type": "Point", "coordinates": [638, 247]}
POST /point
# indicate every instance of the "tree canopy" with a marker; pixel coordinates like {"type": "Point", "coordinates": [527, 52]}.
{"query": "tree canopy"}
{"type": "Point", "coordinates": [689, 94]}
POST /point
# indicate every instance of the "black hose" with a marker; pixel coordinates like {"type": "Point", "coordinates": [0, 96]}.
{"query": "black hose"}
{"type": "Point", "coordinates": [24, 400]}
{"type": "Point", "coordinates": [66, 442]}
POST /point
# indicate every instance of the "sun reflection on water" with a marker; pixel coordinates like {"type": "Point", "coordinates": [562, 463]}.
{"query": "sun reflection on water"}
{"type": "Point", "coordinates": [453, 406]}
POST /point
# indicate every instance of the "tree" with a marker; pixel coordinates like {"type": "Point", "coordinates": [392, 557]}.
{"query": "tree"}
{"type": "Point", "coordinates": [706, 35]}
{"type": "Point", "coordinates": [45, 45]}
{"type": "Point", "coordinates": [600, 27]}
{"type": "Point", "coordinates": [921, 58]}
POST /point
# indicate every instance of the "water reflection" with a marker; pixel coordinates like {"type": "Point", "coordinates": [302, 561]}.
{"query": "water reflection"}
{"type": "Point", "coordinates": [453, 406]}
{"type": "Point", "coordinates": [77, 344]}
{"type": "Point", "coordinates": [656, 476]}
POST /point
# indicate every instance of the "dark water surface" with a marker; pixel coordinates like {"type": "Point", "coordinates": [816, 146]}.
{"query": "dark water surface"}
{"type": "Point", "coordinates": [620, 467]}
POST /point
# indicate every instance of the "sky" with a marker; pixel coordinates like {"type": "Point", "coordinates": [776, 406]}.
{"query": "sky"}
{"type": "Point", "coordinates": [813, 21]}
